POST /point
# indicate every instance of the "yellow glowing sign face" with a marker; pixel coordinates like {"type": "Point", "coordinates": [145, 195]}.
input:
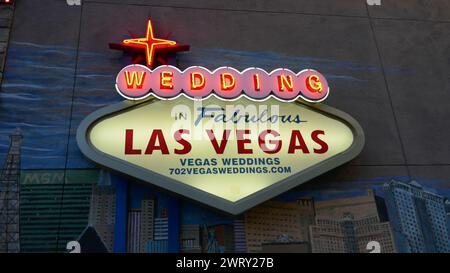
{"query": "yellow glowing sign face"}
{"type": "Point", "coordinates": [229, 155]}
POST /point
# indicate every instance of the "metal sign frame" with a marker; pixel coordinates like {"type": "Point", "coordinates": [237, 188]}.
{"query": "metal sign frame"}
{"type": "Point", "coordinates": [206, 198]}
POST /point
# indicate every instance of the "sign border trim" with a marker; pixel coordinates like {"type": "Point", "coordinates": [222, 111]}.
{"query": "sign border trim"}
{"type": "Point", "coordinates": [234, 208]}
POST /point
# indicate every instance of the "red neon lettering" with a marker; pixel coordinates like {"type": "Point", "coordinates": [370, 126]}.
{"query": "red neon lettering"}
{"type": "Point", "coordinates": [166, 80]}
{"type": "Point", "coordinates": [256, 82]}
{"type": "Point", "coordinates": [197, 81]}
{"type": "Point", "coordinates": [227, 81]}
{"type": "Point", "coordinates": [314, 84]}
{"type": "Point", "coordinates": [194, 83]}
{"type": "Point", "coordinates": [136, 80]}
{"type": "Point", "coordinates": [285, 82]}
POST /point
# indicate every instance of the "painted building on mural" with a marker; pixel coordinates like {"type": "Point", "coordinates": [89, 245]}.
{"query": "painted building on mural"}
{"type": "Point", "coordinates": [347, 225]}
{"type": "Point", "coordinates": [419, 217]}
{"type": "Point", "coordinates": [102, 213]}
{"type": "Point", "coordinates": [266, 222]}
{"type": "Point", "coordinates": [360, 206]}
{"type": "Point", "coordinates": [285, 244]}
{"type": "Point", "coordinates": [147, 223]}
{"type": "Point", "coordinates": [240, 241]}
{"type": "Point", "coordinates": [190, 239]}
{"type": "Point", "coordinates": [54, 208]}
{"type": "Point", "coordinates": [350, 235]}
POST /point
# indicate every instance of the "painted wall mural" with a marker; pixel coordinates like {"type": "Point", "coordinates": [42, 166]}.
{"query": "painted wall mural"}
{"type": "Point", "coordinates": [46, 91]}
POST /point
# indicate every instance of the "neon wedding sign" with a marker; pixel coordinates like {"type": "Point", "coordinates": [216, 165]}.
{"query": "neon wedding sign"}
{"type": "Point", "coordinates": [226, 138]}
{"type": "Point", "coordinates": [136, 82]}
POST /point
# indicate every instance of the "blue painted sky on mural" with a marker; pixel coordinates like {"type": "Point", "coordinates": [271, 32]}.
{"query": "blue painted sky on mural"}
{"type": "Point", "coordinates": [38, 92]}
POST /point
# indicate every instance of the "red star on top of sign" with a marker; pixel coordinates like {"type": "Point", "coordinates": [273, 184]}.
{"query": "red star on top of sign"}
{"type": "Point", "coordinates": [153, 49]}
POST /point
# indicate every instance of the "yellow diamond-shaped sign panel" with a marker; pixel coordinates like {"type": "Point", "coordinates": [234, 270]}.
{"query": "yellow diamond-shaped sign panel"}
{"type": "Point", "coordinates": [228, 154]}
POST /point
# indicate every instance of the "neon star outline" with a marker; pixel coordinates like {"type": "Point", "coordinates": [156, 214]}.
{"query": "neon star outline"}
{"type": "Point", "coordinates": [150, 43]}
